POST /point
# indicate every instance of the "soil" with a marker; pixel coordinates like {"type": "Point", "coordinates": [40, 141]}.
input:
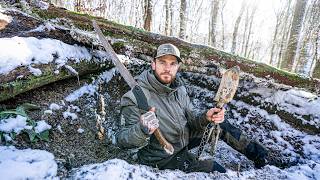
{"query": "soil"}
{"type": "Point", "coordinates": [71, 148]}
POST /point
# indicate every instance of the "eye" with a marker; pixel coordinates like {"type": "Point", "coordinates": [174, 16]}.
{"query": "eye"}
{"type": "Point", "coordinates": [174, 64]}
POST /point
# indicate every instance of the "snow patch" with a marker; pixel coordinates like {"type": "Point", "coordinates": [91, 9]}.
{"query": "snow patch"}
{"type": "Point", "coordinates": [16, 124]}
{"type": "Point", "coordinates": [26, 164]}
{"type": "Point", "coordinates": [86, 89]}
{"type": "Point", "coordinates": [80, 130]}
{"type": "Point", "coordinates": [68, 114]}
{"type": "Point", "coordinates": [91, 88]}
{"type": "Point", "coordinates": [41, 126]}
{"type": "Point", "coordinates": [37, 51]}
{"type": "Point", "coordinates": [48, 112]}
{"type": "Point", "coordinates": [35, 71]}
{"type": "Point", "coordinates": [44, 27]}
{"type": "Point", "coordinates": [54, 106]}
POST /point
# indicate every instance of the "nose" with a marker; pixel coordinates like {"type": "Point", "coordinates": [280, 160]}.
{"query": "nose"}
{"type": "Point", "coordinates": [167, 67]}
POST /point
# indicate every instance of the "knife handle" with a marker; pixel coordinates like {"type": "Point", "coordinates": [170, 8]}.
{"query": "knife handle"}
{"type": "Point", "coordinates": [164, 143]}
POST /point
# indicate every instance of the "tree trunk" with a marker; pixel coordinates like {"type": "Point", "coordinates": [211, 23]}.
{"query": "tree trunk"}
{"type": "Point", "coordinates": [147, 15]}
{"type": "Point", "coordinates": [246, 48]}
{"type": "Point", "coordinates": [297, 21]}
{"type": "Point", "coordinates": [316, 58]}
{"type": "Point", "coordinates": [213, 21]}
{"type": "Point", "coordinates": [275, 35]}
{"type": "Point", "coordinates": [309, 36]}
{"type": "Point", "coordinates": [235, 29]}
{"type": "Point", "coordinates": [183, 19]}
{"type": "Point", "coordinates": [285, 34]}
{"type": "Point", "coordinates": [222, 26]}
{"type": "Point", "coordinates": [77, 6]}
{"type": "Point", "coordinates": [167, 23]}
{"type": "Point", "coordinates": [171, 20]}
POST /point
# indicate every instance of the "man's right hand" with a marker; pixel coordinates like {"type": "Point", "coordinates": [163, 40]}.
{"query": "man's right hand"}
{"type": "Point", "coordinates": [149, 121]}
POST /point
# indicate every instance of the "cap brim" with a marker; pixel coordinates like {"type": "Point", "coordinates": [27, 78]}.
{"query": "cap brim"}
{"type": "Point", "coordinates": [178, 58]}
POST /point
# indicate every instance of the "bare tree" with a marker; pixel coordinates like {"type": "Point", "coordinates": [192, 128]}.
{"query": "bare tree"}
{"type": "Point", "coordinates": [316, 58]}
{"type": "Point", "coordinates": [279, 19]}
{"type": "Point", "coordinates": [222, 24]}
{"type": "Point", "coordinates": [288, 60]}
{"type": "Point", "coordinates": [167, 23]}
{"type": "Point", "coordinates": [77, 6]}
{"type": "Point", "coordinates": [306, 47]}
{"type": "Point", "coordinates": [236, 27]}
{"type": "Point", "coordinates": [171, 20]}
{"type": "Point", "coordinates": [284, 32]}
{"type": "Point", "coordinates": [213, 21]}
{"type": "Point", "coordinates": [183, 19]}
{"type": "Point", "coordinates": [147, 15]}
{"type": "Point", "coordinates": [195, 16]}
{"type": "Point", "coordinates": [250, 22]}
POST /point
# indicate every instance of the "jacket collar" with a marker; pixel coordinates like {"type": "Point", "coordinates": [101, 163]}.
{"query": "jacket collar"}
{"type": "Point", "coordinates": [148, 80]}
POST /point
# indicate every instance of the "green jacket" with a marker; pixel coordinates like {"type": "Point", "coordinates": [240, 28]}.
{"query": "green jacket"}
{"type": "Point", "coordinates": [176, 118]}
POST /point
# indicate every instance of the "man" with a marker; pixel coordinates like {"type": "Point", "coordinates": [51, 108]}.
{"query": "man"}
{"type": "Point", "coordinates": [175, 117]}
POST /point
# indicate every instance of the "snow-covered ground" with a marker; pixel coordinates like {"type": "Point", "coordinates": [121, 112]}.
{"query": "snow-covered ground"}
{"type": "Point", "coordinates": [26, 164]}
{"type": "Point", "coordinates": [308, 166]}
{"type": "Point", "coordinates": [39, 164]}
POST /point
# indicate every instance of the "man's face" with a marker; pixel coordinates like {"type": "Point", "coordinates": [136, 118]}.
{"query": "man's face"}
{"type": "Point", "coordinates": [165, 68]}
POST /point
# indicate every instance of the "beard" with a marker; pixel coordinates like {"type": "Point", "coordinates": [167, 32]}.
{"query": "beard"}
{"type": "Point", "coordinates": [165, 78]}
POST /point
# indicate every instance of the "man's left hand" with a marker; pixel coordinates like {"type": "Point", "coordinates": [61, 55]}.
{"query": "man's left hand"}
{"type": "Point", "coordinates": [215, 115]}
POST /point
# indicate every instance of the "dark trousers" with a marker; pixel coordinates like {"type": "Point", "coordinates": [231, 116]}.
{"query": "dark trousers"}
{"type": "Point", "coordinates": [187, 162]}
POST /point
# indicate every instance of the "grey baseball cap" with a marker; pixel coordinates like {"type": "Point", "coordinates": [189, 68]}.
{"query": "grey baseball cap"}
{"type": "Point", "coordinates": [168, 49]}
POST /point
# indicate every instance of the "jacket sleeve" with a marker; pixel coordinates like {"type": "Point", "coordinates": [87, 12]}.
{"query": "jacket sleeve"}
{"type": "Point", "coordinates": [131, 134]}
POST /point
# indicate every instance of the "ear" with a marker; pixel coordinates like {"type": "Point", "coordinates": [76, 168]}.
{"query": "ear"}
{"type": "Point", "coordinates": [179, 66]}
{"type": "Point", "coordinates": [153, 65]}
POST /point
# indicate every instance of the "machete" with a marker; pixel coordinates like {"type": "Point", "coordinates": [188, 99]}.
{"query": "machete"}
{"type": "Point", "coordinates": [227, 89]}
{"type": "Point", "coordinates": [131, 82]}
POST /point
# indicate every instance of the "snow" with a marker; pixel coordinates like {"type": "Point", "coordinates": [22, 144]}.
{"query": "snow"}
{"type": "Point", "coordinates": [47, 26]}
{"type": "Point", "coordinates": [282, 132]}
{"type": "Point", "coordinates": [48, 112]}
{"type": "Point", "coordinates": [68, 114]}
{"type": "Point", "coordinates": [54, 106]}
{"type": "Point", "coordinates": [80, 130]}
{"type": "Point", "coordinates": [37, 51]}
{"type": "Point", "coordinates": [86, 89]}
{"type": "Point", "coordinates": [120, 169]}
{"type": "Point", "coordinates": [16, 124]}
{"type": "Point", "coordinates": [41, 126]}
{"type": "Point", "coordinates": [26, 164]}
{"type": "Point", "coordinates": [76, 108]}
{"type": "Point", "coordinates": [293, 101]}
{"type": "Point", "coordinates": [90, 89]}
{"type": "Point", "coordinates": [35, 71]}
{"type": "Point", "coordinates": [59, 128]}
{"type": "Point", "coordinates": [70, 69]}
{"type": "Point", "coordinates": [42, 5]}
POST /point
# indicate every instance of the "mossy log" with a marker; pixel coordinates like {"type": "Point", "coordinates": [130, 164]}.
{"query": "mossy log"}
{"type": "Point", "coordinates": [246, 93]}
{"type": "Point", "coordinates": [11, 85]}
{"type": "Point", "coordinates": [21, 79]}
{"type": "Point", "coordinates": [197, 58]}
{"type": "Point", "coordinates": [143, 42]}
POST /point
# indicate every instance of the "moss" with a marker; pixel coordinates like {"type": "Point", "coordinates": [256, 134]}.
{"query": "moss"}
{"type": "Point", "coordinates": [118, 45]}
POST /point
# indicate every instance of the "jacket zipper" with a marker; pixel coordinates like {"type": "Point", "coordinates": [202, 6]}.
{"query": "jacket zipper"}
{"type": "Point", "coordinates": [179, 121]}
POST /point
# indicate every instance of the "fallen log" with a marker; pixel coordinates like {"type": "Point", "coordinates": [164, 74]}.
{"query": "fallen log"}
{"type": "Point", "coordinates": [143, 42]}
